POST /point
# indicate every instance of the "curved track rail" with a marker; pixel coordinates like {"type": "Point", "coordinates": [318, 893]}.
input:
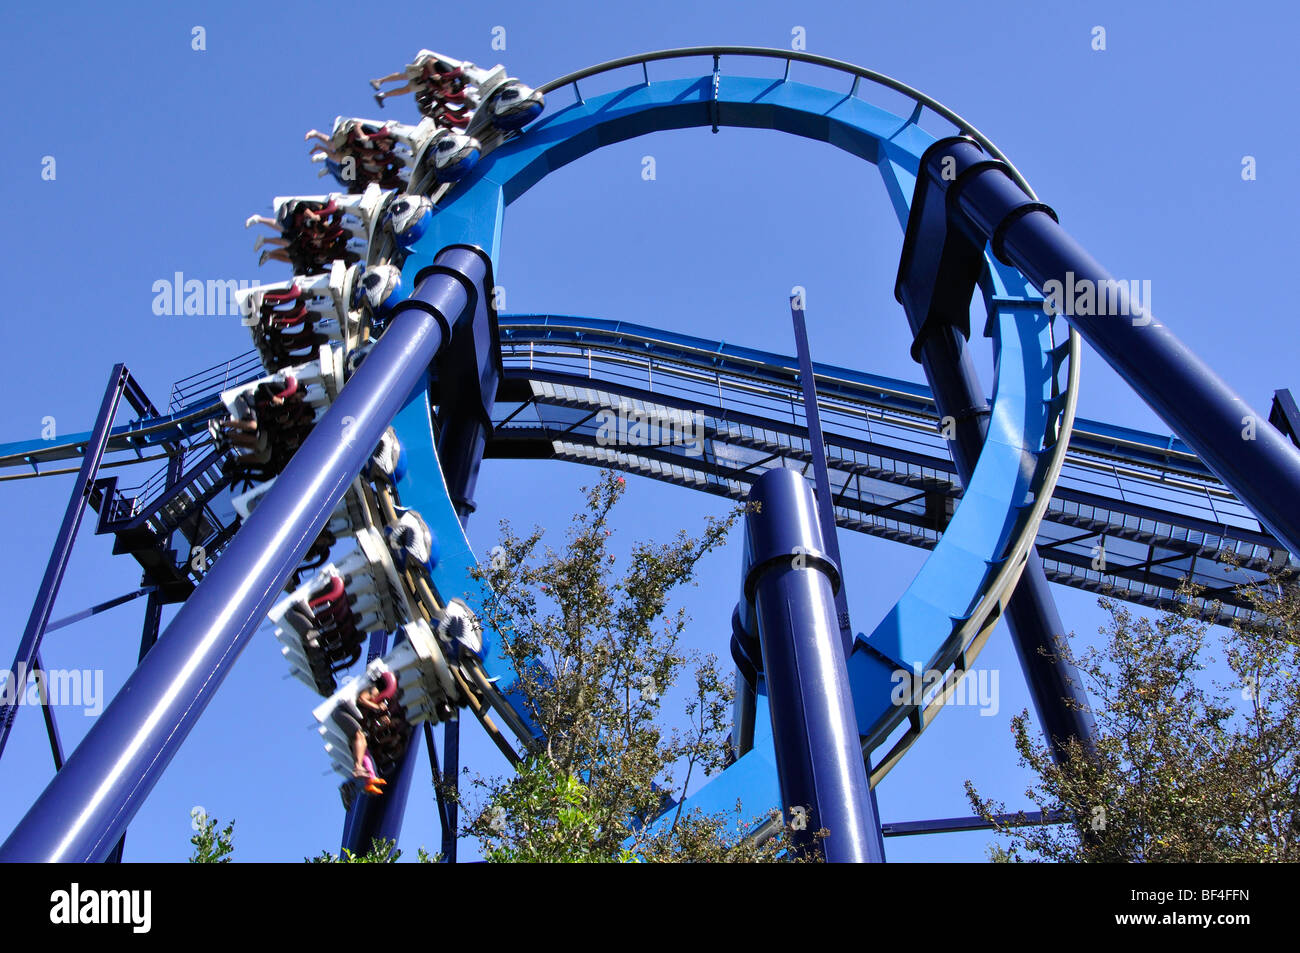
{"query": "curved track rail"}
{"type": "Point", "coordinates": [973, 567]}
{"type": "Point", "coordinates": [981, 534]}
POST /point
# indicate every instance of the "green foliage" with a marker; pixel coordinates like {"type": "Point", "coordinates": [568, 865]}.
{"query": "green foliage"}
{"type": "Point", "coordinates": [554, 809]}
{"type": "Point", "coordinates": [381, 852]}
{"type": "Point", "coordinates": [611, 644]}
{"type": "Point", "coordinates": [212, 844]}
{"type": "Point", "coordinates": [1185, 769]}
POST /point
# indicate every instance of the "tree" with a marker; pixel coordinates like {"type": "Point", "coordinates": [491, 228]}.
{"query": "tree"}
{"type": "Point", "coordinates": [609, 648]}
{"type": "Point", "coordinates": [381, 852]}
{"type": "Point", "coordinates": [1185, 769]}
{"type": "Point", "coordinates": [212, 845]}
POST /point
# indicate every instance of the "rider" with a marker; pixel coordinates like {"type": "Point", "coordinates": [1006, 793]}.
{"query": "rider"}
{"type": "Point", "coordinates": [369, 707]}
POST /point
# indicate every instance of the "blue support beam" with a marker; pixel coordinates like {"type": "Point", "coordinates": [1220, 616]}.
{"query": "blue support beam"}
{"type": "Point", "coordinates": [1037, 632]}
{"type": "Point", "coordinates": [30, 644]}
{"type": "Point", "coordinates": [451, 788]}
{"type": "Point", "coordinates": [380, 817]}
{"type": "Point", "coordinates": [936, 280]}
{"type": "Point", "coordinates": [368, 819]}
{"type": "Point", "coordinates": [790, 581]}
{"type": "Point", "coordinates": [87, 806]}
{"type": "Point", "coordinates": [953, 825]}
{"type": "Point", "coordinates": [826, 500]}
{"type": "Point", "coordinates": [984, 203]}
{"type": "Point", "coordinates": [1285, 415]}
{"type": "Point", "coordinates": [97, 609]}
{"type": "Point", "coordinates": [469, 368]}
{"type": "Point", "coordinates": [435, 770]}
{"type": "Point", "coordinates": [154, 604]}
{"type": "Point", "coordinates": [468, 378]}
{"type": "Point", "coordinates": [825, 495]}
{"type": "Point", "coordinates": [47, 710]}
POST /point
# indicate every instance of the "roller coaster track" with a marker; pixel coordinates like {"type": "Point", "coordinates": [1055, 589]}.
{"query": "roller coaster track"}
{"type": "Point", "coordinates": [1159, 512]}
{"type": "Point", "coordinates": [1072, 489]}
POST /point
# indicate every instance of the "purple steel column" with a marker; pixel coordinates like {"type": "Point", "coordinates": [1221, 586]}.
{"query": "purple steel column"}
{"type": "Point", "coordinates": [30, 644]}
{"type": "Point", "coordinates": [152, 612]}
{"type": "Point", "coordinates": [51, 726]}
{"type": "Point", "coordinates": [460, 452]}
{"type": "Point", "coordinates": [825, 498]}
{"type": "Point", "coordinates": [791, 582]}
{"type": "Point", "coordinates": [380, 818]}
{"type": "Point", "coordinates": [435, 769]}
{"type": "Point", "coordinates": [1260, 465]}
{"type": "Point", "coordinates": [84, 810]}
{"type": "Point", "coordinates": [451, 787]}
{"type": "Point", "coordinates": [1037, 632]}
{"type": "Point", "coordinates": [464, 421]}
{"type": "Point", "coordinates": [940, 264]}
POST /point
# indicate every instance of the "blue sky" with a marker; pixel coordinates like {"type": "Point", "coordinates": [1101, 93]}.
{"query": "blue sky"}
{"type": "Point", "coordinates": [162, 151]}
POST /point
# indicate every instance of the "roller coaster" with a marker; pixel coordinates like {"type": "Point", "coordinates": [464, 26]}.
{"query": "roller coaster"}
{"type": "Point", "coordinates": [324, 480]}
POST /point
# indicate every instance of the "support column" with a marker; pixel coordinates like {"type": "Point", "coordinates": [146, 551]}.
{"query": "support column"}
{"type": "Point", "coordinates": [468, 375]}
{"type": "Point", "coordinates": [1255, 460]}
{"type": "Point", "coordinates": [791, 583]}
{"type": "Point", "coordinates": [826, 503]}
{"type": "Point", "coordinates": [817, 446]}
{"type": "Point", "coordinates": [936, 278]}
{"type": "Point", "coordinates": [1037, 632]}
{"type": "Point", "coordinates": [30, 644]}
{"type": "Point", "coordinates": [88, 805]}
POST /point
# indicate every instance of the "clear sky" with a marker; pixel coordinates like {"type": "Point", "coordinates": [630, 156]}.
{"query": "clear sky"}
{"type": "Point", "coordinates": [161, 151]}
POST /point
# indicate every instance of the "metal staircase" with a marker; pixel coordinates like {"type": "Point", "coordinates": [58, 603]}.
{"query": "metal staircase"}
{"type": "Point", "coordinates": [146, 519]}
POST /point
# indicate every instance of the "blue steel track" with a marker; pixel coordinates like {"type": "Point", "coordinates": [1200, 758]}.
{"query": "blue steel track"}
{"type": "Point", "coordinates": [942, 620]}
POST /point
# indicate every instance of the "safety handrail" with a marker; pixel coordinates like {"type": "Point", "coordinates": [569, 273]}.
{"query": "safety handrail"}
{"type": "Point", "coordinates": [217, 378]}
{"type": "Point", "coordinates": [1091, 438]}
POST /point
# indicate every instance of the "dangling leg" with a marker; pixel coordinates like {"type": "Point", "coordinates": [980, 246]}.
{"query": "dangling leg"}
{"type": "Point", "coordinates": [374, 783]}
{"type": "Point", "coordinates": [359, 756]}
{"type": "Point", "coordinates": [390, 78]}
{"type": "Point", "coordinates": [399, 91]}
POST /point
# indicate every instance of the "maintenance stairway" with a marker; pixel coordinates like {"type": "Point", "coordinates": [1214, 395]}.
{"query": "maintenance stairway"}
{"type": "Point", "coordinates": [177, 499]}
